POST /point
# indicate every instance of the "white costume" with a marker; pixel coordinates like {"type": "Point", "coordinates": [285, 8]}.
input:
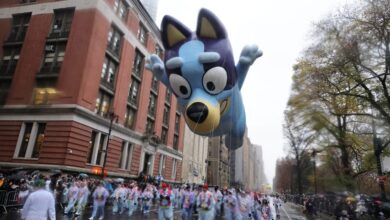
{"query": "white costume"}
{"type": "Point", "coordinates": [38, 205]}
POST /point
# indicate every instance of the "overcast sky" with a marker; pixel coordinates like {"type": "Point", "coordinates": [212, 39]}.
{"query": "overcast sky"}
{"type": "Point", "coordinates": [281, 29]}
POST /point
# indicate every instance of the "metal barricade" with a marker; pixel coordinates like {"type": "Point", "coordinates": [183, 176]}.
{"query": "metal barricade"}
{"type": "Point", "coordinates": [3, 199]}
{"type": "Point", "coordinates": [12, 200]}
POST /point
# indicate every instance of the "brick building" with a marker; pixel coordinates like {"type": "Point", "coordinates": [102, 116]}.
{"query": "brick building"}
{"type": "Point", "coordinates": [70, 67]}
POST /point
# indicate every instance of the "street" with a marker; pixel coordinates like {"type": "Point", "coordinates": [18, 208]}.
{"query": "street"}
{"type": "Point", "coordinates": [289, 211]}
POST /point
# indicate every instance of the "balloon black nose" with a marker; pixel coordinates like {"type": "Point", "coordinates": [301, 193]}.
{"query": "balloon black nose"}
{"type": "Point", "coordinates": [197, 112]}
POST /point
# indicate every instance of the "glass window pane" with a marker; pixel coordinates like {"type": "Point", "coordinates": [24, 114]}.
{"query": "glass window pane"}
{"type": "Point", "coordinates": [26, 139]}
{"type": "Point", "coordinates": [90, 146]}
{"type": "Point", "coordinates": [39, 140]}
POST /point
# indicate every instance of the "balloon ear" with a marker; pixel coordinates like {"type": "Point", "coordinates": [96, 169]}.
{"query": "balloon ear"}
{"type": "Point", "coordinates": [209, 26]}
{"type": "Point", "coordinates": [173, 32]}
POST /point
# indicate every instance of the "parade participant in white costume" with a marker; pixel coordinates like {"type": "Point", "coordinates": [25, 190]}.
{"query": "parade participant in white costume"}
{"type": "Point", "coordinates": [266, 209]}
{"type": "Point", "coordinates": [99, 196]}
{"type": "Point", "coordinates": [82, 197]}
{"type": "Point", "coordinates": [188, 200]}
{"type": "Point", "coordinates": [72, 195]}
{"type": "Point", "coordinates": [119, 195]}
{"type": "Point", "coordinates": [166, 197]}
{"type": "Point", "coordinates": [205, 203]}
{"type": "Point", "coordinates": [245, 206]}
{"type": "Point", "coordinates": [147, 197]}
{"type": "Point", "coordinates": [132, 199]}
{"type": "Point", "coordinates": [39, 204]}
{"type": "Point", "coordinates": [218, 197]}
{"type": "Point", "coordinates": [230, 205]}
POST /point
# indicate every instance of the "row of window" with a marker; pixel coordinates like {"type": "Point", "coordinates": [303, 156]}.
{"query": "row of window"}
{"type": "Point", "coordinates": [32, 136]}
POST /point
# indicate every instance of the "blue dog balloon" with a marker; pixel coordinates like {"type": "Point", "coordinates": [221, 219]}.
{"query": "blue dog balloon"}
{"type": "Point", "coordinates": [199, 68]}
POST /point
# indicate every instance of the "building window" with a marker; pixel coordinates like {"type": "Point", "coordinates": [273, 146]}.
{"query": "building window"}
{"type": "Point", "coordinates": [134, 90]}
{"type": "Point", "coordinates": [5, 84]}
{"type": "Point", "coordinates": [149, 126]}
{"type": "Point", "coordinates": [125, 159]}
{"type": "Point", "coordinates": [166, 115]}
{"type": "Point", "coordinates": [19, 27]}
{"type": "Point", "coordinates": [114, 41]}
{"type": "Point", "coordinates": [155, 84]}
{"type": "Point", "coordinates": [54, 56]}
{"type": "Point", "coordinates": [129, 117]}
{"type": "Point", "coordinates": [62, 23]}
{"type": "Point", "coordinates": [142, 34]}
{"type": "Point", "coordinates": [161, 166]}
{"type": "Point", "coordinates": [103, 103]}
{"type": "Point", "coordinates": [138, 62]}
{"type": "Point", "coordinates": [121, 8]}
{"type": "Point", "coordinates": [109, 70]}
{"type": "Point", "coordinates": [159, 51]}
{"type": "Point", "coordinates": [164, 134]}
{"type": "Point", "coordinates": [97, 145]}
{"type": "Point", "coordinates": [177, 123]}
{"type": "Point", "coordinates": [175, 142]}
{"type": "Point", "coordinates": [10, 60]}
{"type": "Point", "coordinates": [168, 95]}
{"type": "Point", "coordinates": [27, 1]}
{"type": "Point", "coordinates": [174, 169]}
{"type": "Point", "coordinates": [152, 105]}
{"type": "Point", "coordinates": [30, 141]}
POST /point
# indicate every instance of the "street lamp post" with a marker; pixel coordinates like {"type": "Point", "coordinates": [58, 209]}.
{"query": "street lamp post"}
{"type": "Point", "coordinates": [378, 148]}
{"type": "Point", "coordinates": [313, 154]}
{"type": "Point", "coordinates": [112, 118]}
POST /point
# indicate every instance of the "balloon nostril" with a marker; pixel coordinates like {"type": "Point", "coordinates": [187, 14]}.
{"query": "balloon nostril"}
{"type": "Point", "coordinates": [197, 112]}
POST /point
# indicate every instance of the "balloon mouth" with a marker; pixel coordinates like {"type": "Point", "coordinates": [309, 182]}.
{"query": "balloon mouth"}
{"type": "Point", "coordinates": [201, 122]}
{"type": "Point", "coordinates": [224, 105]}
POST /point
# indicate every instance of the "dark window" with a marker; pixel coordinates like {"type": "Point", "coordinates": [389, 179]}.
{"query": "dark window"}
{"type": "Point", "coordinates": [124, 162]}
{"type": "Point", "coordinates": [27, 1]}
{"type": "Point", "coordinates": [175, 142]}
{"type": "Point", "coordinates": [62, 23]}
{"type": "Point", "coordinates": [10, 60]}
{"type": "Point", "coordinates": [26, 139]}
{"type": "Point", "coordinates": [39, 140]}
{"type": "Point", "coordinates": [19, 27]}
{"type": "Point", "coordinates": [54, 56]}
{"type": "Point", "coordinates": [5, 84]}
{"type": "Point", "coordinates": [138, 62]}
{"type": "Point", "coordinates": [159, 51]}
{"type": "Point", "coordinates": [134, 90]}
{"type": "Point", "coordinates": [108, 72]}
{"type": "Point", "coordinates": [121, 9]}
{"type": "Point", "coordinates": [168, 95]}
{"type": "Point", "coordinates": [166, 115]}
{"type": "Point", "coordinates": [129, 117]}
{"type": "Point", "coordinates": [142, 34]}
{"type": "Point", "coordinates": [90, 146]}
{"type": "Point", "coordinates": [155, 84]}
{"type": "Point", "coordinates": [101, 148]}
{"type": "Point", "coordinates": [149, 126]}
{"type": "Point", "coordinates": [164, 133]}
{"type": "Point", "coordinates": [177, 123]}
{"type": "Point", "coordinates": [103, 103]}
{"type": "Point", "coordinates": [152, 105]}
{"type": "Point", "coordinates": [114, 41]}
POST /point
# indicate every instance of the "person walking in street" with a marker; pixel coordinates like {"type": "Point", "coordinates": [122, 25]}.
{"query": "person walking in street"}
{"type": "Point", "coordinates": [147, 197]}
{"type": "Point", "coordinates": [218, 197]}
{"type": "Point", "coordinates": [82, 198]}
{"type": "Point", "coordinates": [188, 200]}
{"type": "Point", "coordinates": [205, 203]}
{"type": "Point", "coordinates": [230, 205]}
{"type": "Point", "coordinates": [99, 196]}
{"type": "Point", "coordinates": [72, 195]}
{"type": "Point", "coordinates": [132, 199]}
{"type": "Point", "coordinates": [165, 209]}
{"type": "Point", "coordinates": [245, 206]}
{"type": "Point", "coordinates": [119, 195]}
{"type": "Point", "coordinates": [40, 204]}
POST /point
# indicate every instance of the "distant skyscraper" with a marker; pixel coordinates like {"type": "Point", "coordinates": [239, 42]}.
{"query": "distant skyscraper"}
{"type": "Point", "coordinates": [151, 7]}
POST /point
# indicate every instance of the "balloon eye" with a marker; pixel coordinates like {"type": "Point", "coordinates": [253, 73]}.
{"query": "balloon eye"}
{"type": "Point", "coordinates": [180, 86]}
{"type": "Point", "coordinates": [214, 80]}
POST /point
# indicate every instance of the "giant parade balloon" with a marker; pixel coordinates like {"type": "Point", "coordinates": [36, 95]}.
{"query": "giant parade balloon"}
{"type": "Point", "coordinates": [200, 70]}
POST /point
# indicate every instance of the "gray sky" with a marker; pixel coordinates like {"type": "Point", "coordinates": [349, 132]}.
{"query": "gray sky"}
{"type": "Point", "coordinates": [281, 29]}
